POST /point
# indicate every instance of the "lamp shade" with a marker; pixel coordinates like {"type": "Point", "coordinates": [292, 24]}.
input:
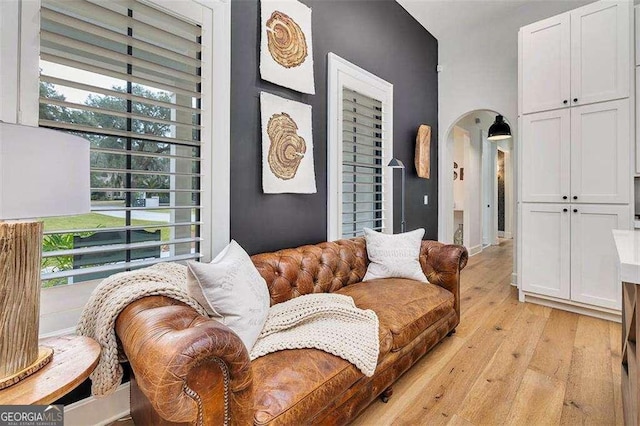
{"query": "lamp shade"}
{"type": "Point", "coordinates": [396, 164]}
{"type": "Point", "coordinates": [42, 173]}
{"type": "Point", "coordinates": [499, 130]}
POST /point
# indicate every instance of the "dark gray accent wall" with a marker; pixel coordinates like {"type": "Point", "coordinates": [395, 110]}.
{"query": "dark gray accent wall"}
{"type": "Point", "coordinates": [379, 36]}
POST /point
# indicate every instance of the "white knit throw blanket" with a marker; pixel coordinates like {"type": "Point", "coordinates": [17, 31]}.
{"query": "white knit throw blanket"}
{"type": "Point", "coordinates": [329, 322]}
{"type": "Point", "coordinates": [325, 321]}
{"type": "Point", "coordinates": [98, 318]}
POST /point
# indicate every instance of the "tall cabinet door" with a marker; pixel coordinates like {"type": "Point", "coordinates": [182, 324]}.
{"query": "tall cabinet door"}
{"type": "Point", "coordinates": [546, 64]}
{"type": "Point", "coordinates": [546, 249]}
{"type": "Point", "coordinates": [600, 52]}
{"type": "Point", "coordinates": [546, 156]}
{"type": "Point", "coordinates": [594, 276]}
{"type": "Point", "coordinates": [600, 163]}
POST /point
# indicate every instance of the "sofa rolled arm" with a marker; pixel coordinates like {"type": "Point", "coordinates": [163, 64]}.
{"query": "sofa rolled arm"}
{"type": "Point", "coordinates": [442, 263]}
{"type": "Point", "coordinates": [191, 368]}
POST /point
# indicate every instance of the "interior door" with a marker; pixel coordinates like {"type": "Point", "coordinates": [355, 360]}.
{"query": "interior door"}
{"type": "Point", "coordinates": [594, 274]}
{"type": "Point", "coordinates": [600, 52]}
{"type": "Point", "coordinates": [488, 173]}
{"type": "Point", "coordinates": [600, 163]}
{"type": "Point", "coordinates": [546, 249]}
{"type": "Point", "coordinates": [546, 156]}
{"type": "Point", "coordinates": [546, 64]}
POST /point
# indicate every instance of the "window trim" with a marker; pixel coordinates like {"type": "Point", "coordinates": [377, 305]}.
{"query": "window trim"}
{"type": "Point", "coordinates": [61, 306]}
{"type": "Point", "coordinates": [342, 73]}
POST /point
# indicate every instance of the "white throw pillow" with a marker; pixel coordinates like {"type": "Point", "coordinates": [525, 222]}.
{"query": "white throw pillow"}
{"type": "Point", "coordinates": [394, 256]}
{"type": "Point", "coordinates": [232, 291]}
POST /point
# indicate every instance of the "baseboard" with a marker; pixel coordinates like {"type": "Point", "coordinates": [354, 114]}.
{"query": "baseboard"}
{"type": "Point", "coordinates": [475, 250]}
{"type": "Point", "coordinates": [508, 235]}
{"type": "Point", "coordinates": [500, 234]}
{"type": "Point", "coordinates": [578, 308]}
{"type": "Point", "coordinates": [58, 333]}
{"type": "Point", "coordinates": [514, 279]}
{"type": "Point", "coordinates": [99, 411]}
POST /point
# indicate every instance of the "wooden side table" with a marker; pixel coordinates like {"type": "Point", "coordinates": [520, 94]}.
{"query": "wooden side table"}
{"type": "Point", "coordinates": [628, 245]}
{"type": "Point", "coordinates": [74, 358]}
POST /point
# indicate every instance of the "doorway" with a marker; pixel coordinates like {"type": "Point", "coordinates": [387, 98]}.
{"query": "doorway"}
{"type": "Point", "coordinates": [504, 193]}
{"type": "Point", "coordinates": [480, 194]}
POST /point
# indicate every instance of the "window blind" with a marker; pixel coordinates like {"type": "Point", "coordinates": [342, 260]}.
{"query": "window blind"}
{"type": "Point", "coordinates": [362, 155]}
{"type": "Point", "coordinates": [125, 76]}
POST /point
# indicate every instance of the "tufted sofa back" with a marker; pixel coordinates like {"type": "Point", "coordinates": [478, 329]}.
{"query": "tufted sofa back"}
{"type": "Point", "coordinates": [319, 268]}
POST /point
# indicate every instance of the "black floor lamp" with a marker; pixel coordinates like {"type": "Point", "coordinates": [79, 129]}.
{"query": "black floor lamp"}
{"type": "Point", "coordinates": [397, 164]}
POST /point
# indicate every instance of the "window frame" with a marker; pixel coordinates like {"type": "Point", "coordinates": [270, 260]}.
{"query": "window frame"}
{"type": "Point", "coordinates": [341, 74]}
{"type": "Point", "coordinates": [61, 306]}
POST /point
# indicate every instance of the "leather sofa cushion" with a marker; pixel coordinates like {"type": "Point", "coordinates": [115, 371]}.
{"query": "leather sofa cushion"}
{"type": "Point", "coordinates": [405, 307]}
{"type": "Point", "coordinates": [293, 385]}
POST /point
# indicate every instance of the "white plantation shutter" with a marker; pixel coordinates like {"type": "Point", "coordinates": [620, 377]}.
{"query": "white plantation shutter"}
{"type": "Point", "coordinates": [362, 162]}
{"type": "Point", "coordinates": [126, 76]}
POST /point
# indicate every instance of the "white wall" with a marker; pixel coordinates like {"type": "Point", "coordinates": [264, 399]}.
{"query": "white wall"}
{"type": "Point", "coordinates": [480, 64]}
{"type": "Point", "coordinates": [472, 184]}
{"type": "Point", "coordinates": [458, 157]}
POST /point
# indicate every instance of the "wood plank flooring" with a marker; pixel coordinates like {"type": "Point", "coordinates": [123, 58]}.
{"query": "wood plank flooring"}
{"type": "Point", "coordinates": [509, 362]}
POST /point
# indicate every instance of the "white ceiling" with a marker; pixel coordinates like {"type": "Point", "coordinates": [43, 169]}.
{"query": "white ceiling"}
{"type": "Point", "coordinates": [444, 17]}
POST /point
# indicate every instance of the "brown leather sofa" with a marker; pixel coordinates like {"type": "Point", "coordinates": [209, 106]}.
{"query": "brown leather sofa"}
{"type": "Point", "coordinates": [188, 369]}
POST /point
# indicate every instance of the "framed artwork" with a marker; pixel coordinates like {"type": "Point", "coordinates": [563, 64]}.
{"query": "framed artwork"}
{"type": "Point", "coordinates": [287, 146]}
{"type": "Point", "coordinates": [286, 51]}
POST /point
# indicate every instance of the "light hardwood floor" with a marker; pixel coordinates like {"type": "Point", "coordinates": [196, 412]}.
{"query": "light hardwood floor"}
{"type": "Point", "coordinates": [509, 362]}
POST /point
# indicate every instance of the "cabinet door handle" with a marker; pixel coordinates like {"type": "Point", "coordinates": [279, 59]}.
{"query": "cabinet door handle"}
{"type": "Point", "coordinates": [575, 210]}
{"type": "Point", "coordinates": [565, 210]}
{"type": "Point", "coordinates": [564, 197]}
{"type": "Point", "coordinates": [575, 99]}
{"type": "Point", "coordinates": [565, 102]}
{"type": "Point", "coordinates": [575, 197]}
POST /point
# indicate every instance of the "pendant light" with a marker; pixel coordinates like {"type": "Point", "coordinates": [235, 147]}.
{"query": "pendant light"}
{"type": "Point", "coordinates": [499, 130]}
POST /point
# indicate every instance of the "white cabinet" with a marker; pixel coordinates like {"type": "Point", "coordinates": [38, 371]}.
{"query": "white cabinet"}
{"type": "Point", "coordinates": [546, 155]}
{"type": "Point", "coordinates": [575, 149]}
{"type": "Point", "coordinates": [546, 68]}
{"type": "Point", "coordinates": [594, 275]}
{"type": "Point", "coordinates": [600, 146]}
{"type": "Point", "coordinates": [545, 239]}
{"type": "Point", "coordinates": [578, 155]}
{"type": "Point", "coordinates": [576, 58]}
{"type": "Point", "coordinates": [600, 52]}
{"type": "Point", "coordinates": [568, 251]}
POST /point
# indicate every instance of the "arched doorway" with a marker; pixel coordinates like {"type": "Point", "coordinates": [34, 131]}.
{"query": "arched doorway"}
{"type": "Point", "coordinates": [477, 186]}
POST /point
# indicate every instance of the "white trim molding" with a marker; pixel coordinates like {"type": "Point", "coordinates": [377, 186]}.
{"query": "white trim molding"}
{"type": "Point", "coordinates": [99, 411]}
{"type": "Point", "coordinates": [571, 306]}
{"type": "Point", "coordinates": [9, 60]}
{"type": "Point", "coordinates": [219, 103]}
{"type": "Point", "coordinates": [342, 73]}
{"type": "Point", "coordinates": [475, 250]}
